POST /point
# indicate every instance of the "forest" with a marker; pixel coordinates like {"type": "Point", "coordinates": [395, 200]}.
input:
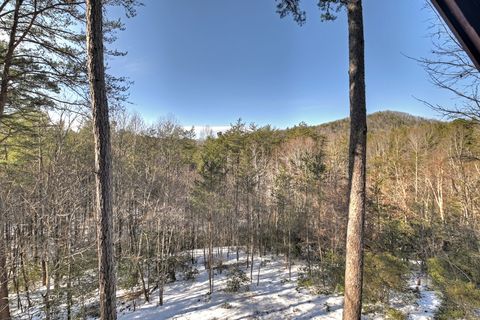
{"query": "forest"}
{"type": "Point", "coordinates": [105, 214]}
{"type": "Point", "coordinates": [252, 189]}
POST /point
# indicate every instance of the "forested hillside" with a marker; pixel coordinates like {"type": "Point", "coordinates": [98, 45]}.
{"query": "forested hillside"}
{"type": "Point", "coordinates": [251, 190]}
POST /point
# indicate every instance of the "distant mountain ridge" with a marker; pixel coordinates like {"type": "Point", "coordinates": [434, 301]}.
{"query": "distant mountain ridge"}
{"type": "Point", "coordinates": [378, 121]}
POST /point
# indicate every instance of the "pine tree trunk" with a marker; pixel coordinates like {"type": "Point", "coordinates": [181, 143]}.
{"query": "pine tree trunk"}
{"type": "Point", "coordinates": [69, 270]}
{"type": "Point", "coordinates": [7, 63]}
{"type": "Point", "coordinates": [98, 97]}
{"type": "Point", "coordinates": [26, 280]}
{"type": "Point", "coordinates": [4, 306]}
{"type": "Point", "coordinates": [210, 251]}
{"type": "Point", "coordinates": [161, 269]}
{"type": "Point", "coordinates": [357, 165]}
{"type": "Point", "coordinates": [46, 296]}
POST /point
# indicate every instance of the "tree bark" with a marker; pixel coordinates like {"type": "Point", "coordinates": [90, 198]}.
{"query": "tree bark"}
{"type": "Point", "coordinates": [357, 165]}
{"type": "Point", "coordinates": [101, 128]}
{"type": "Point", "coordinates": [4, 306]}
{"type": "Point", "coordinates": [9, 58]}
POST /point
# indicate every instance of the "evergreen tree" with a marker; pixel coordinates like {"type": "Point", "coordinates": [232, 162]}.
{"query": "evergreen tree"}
{"type": "Point", "coordinates": [358, 142]}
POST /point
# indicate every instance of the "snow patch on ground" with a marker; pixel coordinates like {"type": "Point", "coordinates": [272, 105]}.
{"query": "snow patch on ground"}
{"type": "Point", "coordinates": [428, 301]}
{"type": "Point", "coordinates": [277, 296]}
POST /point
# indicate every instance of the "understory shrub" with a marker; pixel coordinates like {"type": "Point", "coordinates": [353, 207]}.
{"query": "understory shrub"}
{"type": "Point", "coordinates": [383, 274]}
{"type": "Point", "coordinates": [325, 276]}
{"type": "Point", "coordinates": [394, 314]}
{"type": "Point", "coordinates": [237, 281]}
{"type": "Point", "coordinates": [190, 274]}
{"type": "Point", "coordinates": [457, 282]}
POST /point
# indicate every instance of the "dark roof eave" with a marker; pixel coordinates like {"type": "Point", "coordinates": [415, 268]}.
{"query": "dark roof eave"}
{"type": "Point", "coordinates": [463, 18]}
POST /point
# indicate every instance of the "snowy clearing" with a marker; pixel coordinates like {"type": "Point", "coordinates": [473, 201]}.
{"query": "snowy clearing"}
{"type": "Point", "coordinates": [276, 297]}
{"type": "Point", "coordinates": [428, 300]}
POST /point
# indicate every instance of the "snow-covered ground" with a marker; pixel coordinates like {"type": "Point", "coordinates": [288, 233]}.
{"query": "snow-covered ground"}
{"type": "Point", "coordinates": [277, 296]}
{"type": "Point", "coordinates": [428, 300]}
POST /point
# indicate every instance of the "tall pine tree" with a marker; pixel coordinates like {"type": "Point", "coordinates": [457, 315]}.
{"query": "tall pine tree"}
{"type": "Point", "coordinates": [358, 141]}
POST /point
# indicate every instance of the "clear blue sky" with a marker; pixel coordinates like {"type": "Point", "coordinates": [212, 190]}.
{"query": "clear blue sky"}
{"type": "Point", "coordinates": [211, 62]}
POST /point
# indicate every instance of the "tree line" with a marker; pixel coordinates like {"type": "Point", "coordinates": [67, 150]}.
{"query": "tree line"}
{"type": "Point", "coordinates": [256, 189]}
